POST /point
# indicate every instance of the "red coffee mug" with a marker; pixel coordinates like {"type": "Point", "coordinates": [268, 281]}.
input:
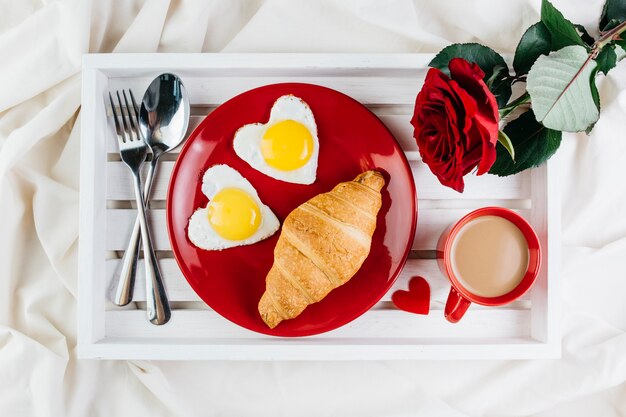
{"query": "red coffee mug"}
{"type": "Point", "coordinates": [459, 298]}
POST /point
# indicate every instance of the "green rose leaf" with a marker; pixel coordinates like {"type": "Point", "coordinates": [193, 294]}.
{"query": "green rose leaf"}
{"type": "Point", "coordinates": [619, 54]}
{"type": "Point", "coordinates": [584, 35]}
{"type": "Point", "coordinates": [505, 141]}
{"type": "Point", "coordinates": [562, 31]}
{"type": "Point", "coordinates": [493, 65]}
{"type": "Point", "coordinates": [560, 89]}
{"type": "Point", "coordinates": [534, 144]}
{"type": "Point", "coordinates": [606, 59]}
{"type": "Point", "coordinates": [613, 13]}
{"type": "Point", "coordinates": [534, 43]}
{"type": "Point", "coordinates": [596, 98]}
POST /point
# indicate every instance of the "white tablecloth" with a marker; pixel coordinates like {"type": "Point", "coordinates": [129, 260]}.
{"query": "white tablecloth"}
{"type": "Point", "coordinates": [41, 45]}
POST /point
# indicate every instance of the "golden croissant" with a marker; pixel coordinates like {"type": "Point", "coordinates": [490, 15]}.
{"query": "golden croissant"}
{"type": "Point", "coordinates": [323, 243]}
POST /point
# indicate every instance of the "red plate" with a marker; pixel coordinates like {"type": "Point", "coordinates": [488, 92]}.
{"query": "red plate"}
{"type": "Point", "coordinates": [352, 140]}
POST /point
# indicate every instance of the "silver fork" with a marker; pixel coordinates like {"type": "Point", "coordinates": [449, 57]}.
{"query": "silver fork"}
{"type": "Point", "coordinates": [133, 151]}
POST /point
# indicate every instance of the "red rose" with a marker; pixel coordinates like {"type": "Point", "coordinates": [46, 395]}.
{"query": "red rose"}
{"type": "Point", "coordinates": [456, 123]}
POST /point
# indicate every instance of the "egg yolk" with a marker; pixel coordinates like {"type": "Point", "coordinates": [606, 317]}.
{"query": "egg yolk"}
{"type": "Point", "coordinates": [287, 145]}
{"type": "Point", "coordinates": [234, 214]}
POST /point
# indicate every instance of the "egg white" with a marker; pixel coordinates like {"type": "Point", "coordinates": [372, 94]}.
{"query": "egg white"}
{"type": "Point", "coordinates": [247, 141]}
{"type": "Point", "coordinates": [200, 231]}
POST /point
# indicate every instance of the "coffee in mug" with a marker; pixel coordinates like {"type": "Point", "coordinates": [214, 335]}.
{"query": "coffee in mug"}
{"type": "Point", "coordinates": [489, 256]}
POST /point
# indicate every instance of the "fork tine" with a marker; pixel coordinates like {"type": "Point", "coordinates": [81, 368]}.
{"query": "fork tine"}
{"type": "Point", "coordinates": [131, 119]}
{"type": "Point", "coordinates": [135, 107]}
{"type": "Point", "coordinates": [127, 137]}
{"type": "Point", "coordinates": [118, 127]}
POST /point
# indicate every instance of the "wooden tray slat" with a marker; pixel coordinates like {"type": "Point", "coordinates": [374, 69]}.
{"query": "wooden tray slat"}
{"type": "Point", "coordinates": [119, 185]}
{"type": "Point", "coordinates": [119, 223]}
{"type": "Point", "coordinates": [207, 91]}
{"type": "Point", "coordinates": [380, 324]}
{"type": "Point", "coordinates": [179, 290]}
{"type": "Point", "coordinates": [398, 124]}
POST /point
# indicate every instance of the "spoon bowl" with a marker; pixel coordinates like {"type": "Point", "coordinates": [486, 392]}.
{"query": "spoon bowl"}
{"type": "Point", "coordinates": [164, 113]}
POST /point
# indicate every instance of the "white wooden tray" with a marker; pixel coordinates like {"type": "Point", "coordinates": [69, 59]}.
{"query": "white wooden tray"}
{"type": "Point", "coordinates": [387, 84]}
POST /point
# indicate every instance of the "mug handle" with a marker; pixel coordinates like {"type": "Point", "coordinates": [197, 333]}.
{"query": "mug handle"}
{"type": "Point", "coordinates": [456, 306]}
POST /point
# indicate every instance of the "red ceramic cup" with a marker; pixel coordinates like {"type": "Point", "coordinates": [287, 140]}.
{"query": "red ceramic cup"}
{"type": "Point", "coordinates": [459, 298]}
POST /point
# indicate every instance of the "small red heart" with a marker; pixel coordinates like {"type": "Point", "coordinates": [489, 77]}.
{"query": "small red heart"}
{"type": "Point", "coordinates": [416, 299]}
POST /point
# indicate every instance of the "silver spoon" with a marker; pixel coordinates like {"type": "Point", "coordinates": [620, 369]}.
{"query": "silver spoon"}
{"type": "Point", "coordinates": [163, 121]}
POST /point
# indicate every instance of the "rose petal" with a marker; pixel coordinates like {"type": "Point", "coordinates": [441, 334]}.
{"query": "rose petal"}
{"type": "Point", "coordinates": [470, 78]}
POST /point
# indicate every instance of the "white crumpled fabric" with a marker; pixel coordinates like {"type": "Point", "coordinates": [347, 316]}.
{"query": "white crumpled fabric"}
{"type": "Point", "coordinates": [41, 43]}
